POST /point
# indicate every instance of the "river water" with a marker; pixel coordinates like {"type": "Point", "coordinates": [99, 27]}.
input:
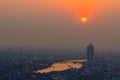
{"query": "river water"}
{"type": "Point", "coordinates": [62, 66]}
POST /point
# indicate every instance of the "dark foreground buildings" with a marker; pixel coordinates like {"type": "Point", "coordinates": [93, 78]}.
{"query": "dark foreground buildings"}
{"type": "Point", "coordinates": [90, 52]}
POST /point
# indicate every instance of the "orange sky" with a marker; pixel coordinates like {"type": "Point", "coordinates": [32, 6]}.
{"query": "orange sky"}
{"type": "Point", "coordinates": [87, 8]}
{"type": "Point", "coordinates": [80, 8]}
{"type": "Point", "coordinates": [56, 23]}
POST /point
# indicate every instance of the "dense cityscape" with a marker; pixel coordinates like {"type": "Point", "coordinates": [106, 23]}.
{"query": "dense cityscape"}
{"type": "Point", "coordinates": [59, 39]}
{"type": "Point", "coordinates": [21, 64]}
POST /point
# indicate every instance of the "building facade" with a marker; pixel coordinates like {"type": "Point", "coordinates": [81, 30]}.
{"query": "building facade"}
{"type": "Point", "coordinates": [90, 52]}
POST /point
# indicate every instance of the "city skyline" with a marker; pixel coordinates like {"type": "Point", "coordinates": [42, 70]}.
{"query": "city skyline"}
{"type": "Point", "coordinates": [90, 52]}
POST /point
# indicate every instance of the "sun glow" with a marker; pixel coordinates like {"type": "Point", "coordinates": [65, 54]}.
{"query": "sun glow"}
{"type": "Point", "coordinates": [82, 8]}
{"type": "Point", "coordinates": [84, 19]}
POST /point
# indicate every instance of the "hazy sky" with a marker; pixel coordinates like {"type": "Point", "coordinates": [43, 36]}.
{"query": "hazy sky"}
{"type": "Point", "coordinates": [56, 24]}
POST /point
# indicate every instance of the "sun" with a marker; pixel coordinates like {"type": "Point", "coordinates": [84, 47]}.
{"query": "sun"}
{"type": "Point", "coordinates": [84, 19]}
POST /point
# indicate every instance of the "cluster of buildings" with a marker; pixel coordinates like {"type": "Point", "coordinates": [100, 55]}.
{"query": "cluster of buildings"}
{"type": "Point", "coordinates": [22, 66]}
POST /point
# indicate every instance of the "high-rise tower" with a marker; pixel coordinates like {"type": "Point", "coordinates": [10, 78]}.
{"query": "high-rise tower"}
{"type": "Point", "coordinates": [90, 52]}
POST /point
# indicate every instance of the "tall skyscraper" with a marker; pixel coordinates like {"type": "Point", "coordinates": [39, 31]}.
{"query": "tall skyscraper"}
{"type": "Point", "coordinates": [90, 52]}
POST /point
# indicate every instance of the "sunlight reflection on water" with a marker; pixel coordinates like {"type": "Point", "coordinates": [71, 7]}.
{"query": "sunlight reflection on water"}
{"type": "Point", "coordinates": [62, 66]}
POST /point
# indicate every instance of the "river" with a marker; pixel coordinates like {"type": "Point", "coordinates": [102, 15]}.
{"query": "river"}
{"type": "Point", "coordinates": [62, 66]}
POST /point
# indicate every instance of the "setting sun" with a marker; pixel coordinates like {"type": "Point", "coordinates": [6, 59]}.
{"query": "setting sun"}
{"type": "Point", "coordinates": [83, 19]}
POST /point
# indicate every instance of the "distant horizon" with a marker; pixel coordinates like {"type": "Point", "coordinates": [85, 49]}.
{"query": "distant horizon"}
{"type": "Point", "coordinates": [79, 50]}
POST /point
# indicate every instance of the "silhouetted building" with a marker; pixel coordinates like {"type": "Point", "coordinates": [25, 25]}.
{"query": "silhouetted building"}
{"type": "Point", "coordinates": [21, 49]}
{"type": "Point", "coordinates": [90, 52]}
{"type": "Point", "coordinates": [27, 68]}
